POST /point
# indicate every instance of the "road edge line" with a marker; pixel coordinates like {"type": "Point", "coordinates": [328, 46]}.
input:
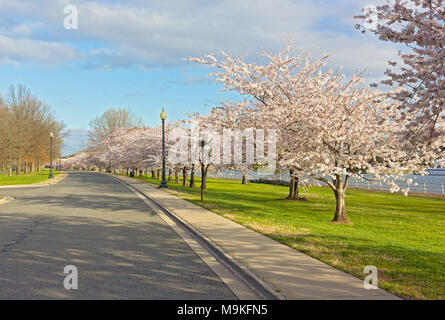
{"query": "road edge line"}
{"type": "Point", "coordinates": [226, 275]}
{"type": "Point", "coordinates": [243, 272]}
{"type": "Point", "coordinates": [6, 200]}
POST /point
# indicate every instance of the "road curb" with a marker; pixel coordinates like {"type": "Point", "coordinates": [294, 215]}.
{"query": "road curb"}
{"type": "Point", "coordinates": [244, 273]}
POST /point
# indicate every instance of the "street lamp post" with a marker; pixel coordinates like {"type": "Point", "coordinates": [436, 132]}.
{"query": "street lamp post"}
{"type": "Point", "coordinates": [206, 140]}
{"type": "Point", "coordinates": [202, 144]}
{"type": "Point", "coordinates": [51, 137]}
{"type": "Point", "coordinates": [163, 117]}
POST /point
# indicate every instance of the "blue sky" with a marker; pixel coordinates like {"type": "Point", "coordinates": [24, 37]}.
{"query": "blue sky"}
{"type": "Point", "coordinates": [129, 53]}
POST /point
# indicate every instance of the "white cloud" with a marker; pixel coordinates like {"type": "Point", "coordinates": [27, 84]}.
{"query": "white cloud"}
{"type": "Point", "coordinates": [9, 62]}
{"type": "Point", "coordinates": [18, 50]}
{"type": "Point", "coordinates": [149, 34]}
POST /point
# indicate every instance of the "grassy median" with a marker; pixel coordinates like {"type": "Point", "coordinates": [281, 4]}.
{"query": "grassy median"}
{"type": "Point", "coordinates": [29, 178]}
{"type": "Point", "coordinates": [404, 237]}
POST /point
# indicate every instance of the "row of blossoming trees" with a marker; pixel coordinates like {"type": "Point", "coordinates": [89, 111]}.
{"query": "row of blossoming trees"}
{"type": "Point", "coordinates": [325, 126]}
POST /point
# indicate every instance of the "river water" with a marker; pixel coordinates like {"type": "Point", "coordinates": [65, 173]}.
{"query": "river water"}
{"type": "Point", "coordinates": [425, 184]}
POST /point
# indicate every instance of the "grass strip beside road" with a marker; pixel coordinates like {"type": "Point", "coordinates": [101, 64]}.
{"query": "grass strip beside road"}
{"type": "Point", "coordinates": [34, 177]}
{"type": "Point", "coordinates": [404, 237]}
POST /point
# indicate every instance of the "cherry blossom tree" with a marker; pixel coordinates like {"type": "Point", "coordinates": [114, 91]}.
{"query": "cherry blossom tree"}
{"type": "Point", "coordinates": [352, 130]}
{"type": "Point", "coordinates": [229, 120]}
{"type": "Point", "coordinates": [136, 149]}
{"type": "Point", "coordinates": [282, 81]}
{"type": "Point", "coordinates": [81, 160]}
{"type": "Point", "coordinates": [420, 26]}
{"type": "Point", "coordinates": [178, 150]}
{"type": "Point", "coordinates": [328, 128]}
{"type": "Point", "coordinates": [202, 138]}
{"type": "Point", "coordinates": [231, 141]}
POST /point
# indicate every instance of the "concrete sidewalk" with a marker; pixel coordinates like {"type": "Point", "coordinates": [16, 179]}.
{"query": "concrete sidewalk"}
{"type": "Point", "coordinates": [293, 273]}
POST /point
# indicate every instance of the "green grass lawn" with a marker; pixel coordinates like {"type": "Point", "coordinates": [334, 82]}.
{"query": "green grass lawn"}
{"type": "Point", "coordinates": [404, 237]}
{"type": "Point", "coordinates": [34, 177]}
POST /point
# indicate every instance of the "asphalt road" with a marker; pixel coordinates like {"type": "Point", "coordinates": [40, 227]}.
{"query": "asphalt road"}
{"type": "Point", "coordinates": [121, 248]}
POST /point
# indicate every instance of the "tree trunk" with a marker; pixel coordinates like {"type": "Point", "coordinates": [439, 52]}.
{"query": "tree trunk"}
{"type": "Point", "coordinates": [158, 175]}
{"type": "Point", "coordinates": [293, 187]}
{"type": "Point", "coordinates": [340, 195]}
{"type": "Point", "coordinates": [17, 169]}
{"type": "Point", "coordinates": [170, 177]}
{"type": "Point", "coordinates": [245, 181]}
{"type": "Point", "coordinates": [184, 176]}
{"type": "Point", "coordinates": [204, 169]}
{"type": "Point", "coordinates": [192, 177]}
{"type": "Point", "coordinates": [10, 162]}
{"type": "Point", "coordinates": [152, 174]}
{"type": "Point", "coordinates": [177, 176]}
{"type": "Point", "coordinates": [10, 167]}
{"type": "Point", "coordinates": [340, 208]}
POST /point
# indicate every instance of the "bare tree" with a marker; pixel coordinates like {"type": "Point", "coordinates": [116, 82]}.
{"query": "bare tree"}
{"type": "Point", "coordinates": [25, 126]}
{"type": "Point", "coordinates": [112, 119]}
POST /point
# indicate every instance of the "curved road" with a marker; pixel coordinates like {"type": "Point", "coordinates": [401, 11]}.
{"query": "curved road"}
{"type": "Point", "coordinates": [121, 248]}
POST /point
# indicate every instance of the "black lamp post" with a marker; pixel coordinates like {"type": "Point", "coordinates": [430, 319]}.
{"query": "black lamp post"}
{"type": "Point", "coordinates": [51, 137]}
{"type": "Point", "coordinates": [202, 145]}
{"type": "Point", "coordinates": [163, 117]}
{"type": "Point", "coordinates": [206, 140]}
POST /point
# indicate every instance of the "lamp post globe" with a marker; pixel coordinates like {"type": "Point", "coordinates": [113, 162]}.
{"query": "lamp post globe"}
{"type": "Point", "coordinates": [51, 137]}
{"type": "Point", "coordinates": [163, 116]}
